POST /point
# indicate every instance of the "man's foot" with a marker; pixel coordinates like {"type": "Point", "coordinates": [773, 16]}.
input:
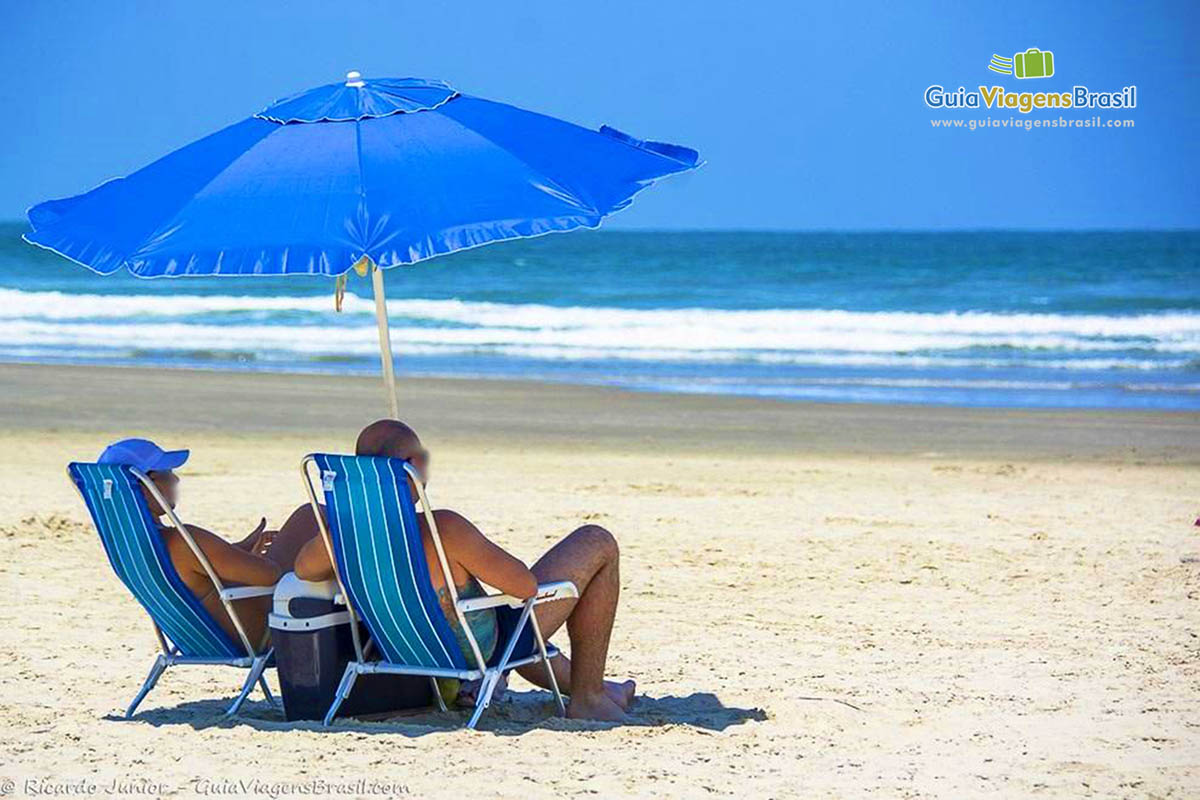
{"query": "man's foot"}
{"type": "Point", "coordinates": [595, 706]}
{"type": "Point", "coordinates": [621, 693]}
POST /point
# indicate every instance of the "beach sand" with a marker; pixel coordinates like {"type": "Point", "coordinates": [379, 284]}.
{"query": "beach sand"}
{"type": "Point", "coordinates": [816, 600]}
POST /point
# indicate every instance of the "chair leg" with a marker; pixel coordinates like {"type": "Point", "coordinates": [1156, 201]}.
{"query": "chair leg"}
{"type": "Point", "coordinates": [262, 682]}
{"type": "Point", "coordinates": [156, 670]}
{"type": "Point", "coordinates": [541, 645]}
{"type": "Point", "coordinates": [558, 698]}
{"type": "Point", "coordinates": [256, 671]}
{"type": "Point", "coordinates": [492, 676]}
{"type": "Point", "coordinates": [490, 679]}
{"type": "Point", "coordinates": [437, 693]}
{"type": "Point", "coordinates": [343, 691]}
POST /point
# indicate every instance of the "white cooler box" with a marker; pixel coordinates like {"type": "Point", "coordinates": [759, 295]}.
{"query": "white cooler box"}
{"type": "Point", "coordinates": [311, 636]}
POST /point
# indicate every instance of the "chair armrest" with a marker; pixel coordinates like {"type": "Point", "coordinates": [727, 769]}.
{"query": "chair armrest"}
{"type": "Point", "coordinates": [242, 592]}
{"type": "Point", "coordinates": [559, 590]}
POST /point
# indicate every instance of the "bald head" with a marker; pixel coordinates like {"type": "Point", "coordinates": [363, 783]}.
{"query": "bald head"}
{"type": "Point", "coordinates": [388, 437]}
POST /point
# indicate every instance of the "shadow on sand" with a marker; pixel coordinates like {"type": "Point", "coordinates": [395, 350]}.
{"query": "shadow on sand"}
{"type": "Point", "coordinates": [517, 713]}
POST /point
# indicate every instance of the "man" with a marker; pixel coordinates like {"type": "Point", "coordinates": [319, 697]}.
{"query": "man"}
{"type": "Point", "coordinates": [257, 560]}
{"type": "Point", "coordinates": [588, 557]}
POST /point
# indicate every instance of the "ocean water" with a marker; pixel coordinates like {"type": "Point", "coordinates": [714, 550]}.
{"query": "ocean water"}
{"type": "Point", "coordinates": [1094, 320]}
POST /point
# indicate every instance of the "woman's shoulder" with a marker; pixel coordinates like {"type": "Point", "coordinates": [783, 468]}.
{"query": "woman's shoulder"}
{"type": "Point", "coordinates": [179, 551]}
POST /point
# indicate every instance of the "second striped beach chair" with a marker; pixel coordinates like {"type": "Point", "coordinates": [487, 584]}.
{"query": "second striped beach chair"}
{"type": "Point", "coordinates": [375, 544]}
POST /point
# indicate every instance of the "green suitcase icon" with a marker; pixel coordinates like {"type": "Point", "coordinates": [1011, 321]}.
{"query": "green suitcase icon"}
{"type": "Point", "coordinates": [1034, 63]}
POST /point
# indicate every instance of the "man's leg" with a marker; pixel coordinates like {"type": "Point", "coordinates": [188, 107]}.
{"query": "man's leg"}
{"type": "Point", "coordinates": [295, 533]}
{"type": "Point", "coordinates": [590, 559]}
{"type": "Point", "coordinates": [620, 692]}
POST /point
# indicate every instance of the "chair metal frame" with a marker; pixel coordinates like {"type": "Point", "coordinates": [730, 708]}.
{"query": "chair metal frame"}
{"type": "Point", "coordinates": [490, 676]}
{"type": "Point", "coordinates": [171, 655]}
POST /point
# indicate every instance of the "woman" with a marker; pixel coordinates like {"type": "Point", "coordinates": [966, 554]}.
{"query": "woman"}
{"type": "Point", "coordinates": [257, 560]}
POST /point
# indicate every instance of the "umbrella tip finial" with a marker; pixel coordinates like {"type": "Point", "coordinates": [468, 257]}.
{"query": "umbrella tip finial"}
{"type": "Point", "coordinates": [354, 78]}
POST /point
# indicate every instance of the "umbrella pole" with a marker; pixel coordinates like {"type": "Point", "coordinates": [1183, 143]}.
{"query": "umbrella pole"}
{"type": "Point", "coordinates": [385, 342]}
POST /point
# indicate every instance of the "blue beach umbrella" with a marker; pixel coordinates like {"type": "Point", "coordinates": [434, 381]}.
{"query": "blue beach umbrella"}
{"type": "Point", "coordinates": [367, 174]}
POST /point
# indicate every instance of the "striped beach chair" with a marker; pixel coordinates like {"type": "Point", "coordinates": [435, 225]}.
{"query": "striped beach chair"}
{"type": "Point", "coordinates": [374, 541]}
{"type": "Point", "coordinates": [187, 632]}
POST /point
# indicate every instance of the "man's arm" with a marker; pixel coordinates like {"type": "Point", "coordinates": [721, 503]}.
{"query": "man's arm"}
{"type": "Point", "coordinates": [483, 558]}
{"type": "Point", "coordinates": [464, 543]}
{"type": "Point", "coordinates": [231, 563]}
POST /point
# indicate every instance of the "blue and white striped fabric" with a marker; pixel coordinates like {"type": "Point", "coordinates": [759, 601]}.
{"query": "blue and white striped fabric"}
{"type": "Point", "coordinates": [139, 556]}
{"type": "Point", "coordinates": [381, 560]}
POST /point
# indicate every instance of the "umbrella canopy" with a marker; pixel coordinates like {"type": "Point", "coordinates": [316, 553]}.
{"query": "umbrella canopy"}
{"type": "Point", "coordinates": [379, 172]}
{"type": "Point", "coordinates": [397, 170]}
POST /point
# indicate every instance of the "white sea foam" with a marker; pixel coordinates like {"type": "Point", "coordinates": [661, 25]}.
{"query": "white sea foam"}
{"type": "Point", "coordinates": [17, 304]}
{"type": "Point", "coordinates": [306, 327]}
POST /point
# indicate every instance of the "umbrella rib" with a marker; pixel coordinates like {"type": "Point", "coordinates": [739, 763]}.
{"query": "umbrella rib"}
{"type": "Point", "coordinates": [555, 182]}
{"type": "Point", "coordinates": [362, 178]}
{"type": "Point", "coordinates": [157, 229]}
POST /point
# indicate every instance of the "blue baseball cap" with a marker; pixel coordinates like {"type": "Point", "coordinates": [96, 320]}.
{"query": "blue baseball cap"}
{"type": "Point", "coordinates": [143, 454]}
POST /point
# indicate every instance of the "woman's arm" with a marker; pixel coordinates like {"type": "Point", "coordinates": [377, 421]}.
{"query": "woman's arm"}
{"type": "Point", "coordinates": [231, 563]}
{"type": "Point", "coordinates": [258, 541]}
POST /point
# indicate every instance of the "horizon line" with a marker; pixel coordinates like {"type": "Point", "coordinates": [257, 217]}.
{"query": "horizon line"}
{"type": "Point", "coordinates": [849, 230]}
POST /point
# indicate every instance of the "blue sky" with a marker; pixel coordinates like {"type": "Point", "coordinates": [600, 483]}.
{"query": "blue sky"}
{"type": "Point", "coordinates": [810, 116]}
